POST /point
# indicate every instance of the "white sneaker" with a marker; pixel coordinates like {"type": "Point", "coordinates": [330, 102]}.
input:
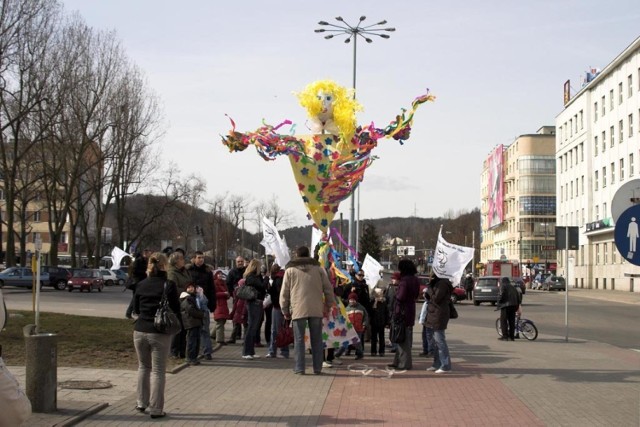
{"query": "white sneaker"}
{"type": "Point", "coordinates": [431, 368]}
{"type": "Point", "coordinates": [336, 361]}
{"type": "Point", "coordinates": [327, 365]}
{"type": "Point", "coordinates": [443, 371]}
{"type": "Point", "coordinates": [255, 356]}
{"type": "Point", "coordinates": [248, 357]}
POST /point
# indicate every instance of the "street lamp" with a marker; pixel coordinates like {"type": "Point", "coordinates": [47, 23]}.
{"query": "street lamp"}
{"type": "Point", "coordinates": [352, 32]}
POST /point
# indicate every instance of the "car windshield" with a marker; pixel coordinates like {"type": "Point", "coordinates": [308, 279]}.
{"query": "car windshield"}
{"type": "Point", "coordinates": [84, 273]}
{"type": "Point", "coordinates": [487, 282]}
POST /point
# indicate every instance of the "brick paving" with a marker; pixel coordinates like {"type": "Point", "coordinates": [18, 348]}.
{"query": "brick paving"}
{"type": "Point", "coordinates": [494, 383]}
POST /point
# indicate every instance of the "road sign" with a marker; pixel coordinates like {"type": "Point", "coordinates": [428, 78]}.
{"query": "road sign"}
{"type": "Point", "coordinates": [627, 234]}
{"type": "Point", "coordinates": [626, 196]}
{"type": "Point", "coordinates": [406, 251]}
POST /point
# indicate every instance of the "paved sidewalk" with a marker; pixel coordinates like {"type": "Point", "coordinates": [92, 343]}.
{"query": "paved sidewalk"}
{"type": "Point", "coordinates": [544, 382]}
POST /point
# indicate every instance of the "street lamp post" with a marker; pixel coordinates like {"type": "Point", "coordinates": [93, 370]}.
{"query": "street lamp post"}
{"type": "Point", "coordinates": [353, 32]}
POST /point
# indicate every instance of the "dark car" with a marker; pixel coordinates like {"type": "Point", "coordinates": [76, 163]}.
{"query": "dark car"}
{"type": "Point", "coordinates": [554, 283]}
{"type": "Point", "coordinates": [58, 276]}
{"type": "Point", "coordinates": [88, 278]}
{"type": "Point", "coordinates": [486, 289]}
{"type": "Point", "coordinates": [21, 277]}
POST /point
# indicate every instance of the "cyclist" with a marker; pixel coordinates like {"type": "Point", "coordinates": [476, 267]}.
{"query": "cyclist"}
{"type": "Point", "coordinates": [509, 300]}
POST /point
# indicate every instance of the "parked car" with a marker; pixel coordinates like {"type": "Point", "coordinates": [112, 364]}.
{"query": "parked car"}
{"type": "Point", "coordinates": [58, 276]}
{"type": "Point", "coordinates": [458, 294]}
{"type": "Point", "coordinates": [122, 276]}
{"type": "Point", "coordinates": [21, 277]}
{"type": "Point", "coordinates": [110, 278]}
{"type": "Point", "coordinates": [554, 283]}
{"type": "Point", "coordinates": [88, 278]}
{"type": "Point", "coordinates": [486, 289]}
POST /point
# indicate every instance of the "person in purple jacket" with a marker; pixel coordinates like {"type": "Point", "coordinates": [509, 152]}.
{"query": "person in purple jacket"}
{"type": "Point", "coordinates": [406, 296]}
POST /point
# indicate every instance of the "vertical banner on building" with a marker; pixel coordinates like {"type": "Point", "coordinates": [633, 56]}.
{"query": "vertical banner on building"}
{"type": "Point", "coordinates": [567, 92]}
{"type": "Point", "coordinates": [496, 188]}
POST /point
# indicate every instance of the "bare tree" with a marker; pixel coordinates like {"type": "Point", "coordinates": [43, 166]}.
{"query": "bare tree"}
{"type": "Point", "coordinates": [26, 29]}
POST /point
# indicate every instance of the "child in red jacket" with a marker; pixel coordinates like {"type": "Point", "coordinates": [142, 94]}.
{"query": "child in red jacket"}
{"type": "Point", "coordinates": [359, 318]}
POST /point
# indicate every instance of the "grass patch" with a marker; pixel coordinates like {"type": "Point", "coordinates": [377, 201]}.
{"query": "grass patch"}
{"type": "Point", "coordinates": [86, 342]}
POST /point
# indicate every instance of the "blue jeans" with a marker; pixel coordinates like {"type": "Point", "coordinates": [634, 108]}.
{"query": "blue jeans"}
{"type": "Point", "coordinates": [254, 313]}
{"type": "Point", "coordinates": [276, 323]}
{"type": "Point", "coordinates": [315, 337]}
{"type": "Point", "coordinates": [441, 359]}
{"type": "Point", "coordinates": [193, 343]}
{"type": "Point", "coordinates": [425, 341]}
{"type": "Point", "coordinates": [152, 351]}
{"type": "Point", "coordinates": [205, 335]}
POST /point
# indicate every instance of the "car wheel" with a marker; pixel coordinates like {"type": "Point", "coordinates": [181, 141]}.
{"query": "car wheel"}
{"type": "Point", "coordinates": [493, 303]}
{"type": "Point", "coordinates": [454, 298]}
{"type": "Point", "coordinates": [89, 288]}
{"type": "Point", "coordinates": [100, 288]}
{"type": "Point", "coordinates": [476, 303]}
{"type": "Point", "coordinates": [60, 285]}
{"type": "Point", "coordinates": [70, 288]}
{"type": "Point", "coordinates": [120, 282]}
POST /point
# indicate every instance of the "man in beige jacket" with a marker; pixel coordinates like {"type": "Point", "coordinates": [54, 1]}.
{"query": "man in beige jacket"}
{"type": "Point", "coordinates": [306, 296]}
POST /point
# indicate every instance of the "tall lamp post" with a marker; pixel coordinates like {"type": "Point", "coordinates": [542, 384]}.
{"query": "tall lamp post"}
{"type": "Point", "coordinates": [353, 32]}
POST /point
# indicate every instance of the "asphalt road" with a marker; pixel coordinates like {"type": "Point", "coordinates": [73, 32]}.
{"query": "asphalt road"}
{"type": "Point", "coordinates": [589, 319]}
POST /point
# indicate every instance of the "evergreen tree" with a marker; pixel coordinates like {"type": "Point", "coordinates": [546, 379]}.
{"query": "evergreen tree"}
{"type": "Point", "coordinates": [370, 242]}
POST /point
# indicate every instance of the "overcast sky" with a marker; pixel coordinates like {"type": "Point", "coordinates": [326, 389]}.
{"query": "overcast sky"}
{"type": "Point", "coordinates": [496, 67]}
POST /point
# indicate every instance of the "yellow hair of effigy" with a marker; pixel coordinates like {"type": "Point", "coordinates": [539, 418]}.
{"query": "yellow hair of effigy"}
{"type": "Point", "coordinates": [344, 105]}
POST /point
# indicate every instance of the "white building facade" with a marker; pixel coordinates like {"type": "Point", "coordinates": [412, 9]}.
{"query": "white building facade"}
{"type": "Point", "coordinates": [597, 151]}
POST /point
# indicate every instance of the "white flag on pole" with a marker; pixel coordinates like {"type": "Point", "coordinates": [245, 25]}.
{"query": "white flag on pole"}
{"type": "Point", "coordinates": [450, 260]}
{"type": "Point", "coordinates": [116, 256]}
{"type": "Point", "coordinates": [274, 244]}
{"type": "Point", "coordinates": [371, 268]}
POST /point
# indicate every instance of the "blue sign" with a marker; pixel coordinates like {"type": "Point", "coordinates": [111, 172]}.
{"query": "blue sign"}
{"type": "Point", "coordinates": [627, 234]}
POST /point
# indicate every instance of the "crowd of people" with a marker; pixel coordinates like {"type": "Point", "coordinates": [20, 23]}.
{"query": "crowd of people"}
{"type": "Point", "coordinates": [301, 294]}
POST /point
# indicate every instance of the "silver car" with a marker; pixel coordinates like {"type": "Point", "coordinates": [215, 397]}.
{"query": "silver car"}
{"type": "Point", "coordinates": [486, 289]}
{"type": "Point", "coordinates": [21, 277]}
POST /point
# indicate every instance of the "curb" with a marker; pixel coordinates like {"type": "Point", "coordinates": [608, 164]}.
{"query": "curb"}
{"type": "Point", "coordinates": [93, 409]}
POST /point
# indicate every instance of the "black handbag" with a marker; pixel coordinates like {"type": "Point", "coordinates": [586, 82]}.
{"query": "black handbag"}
{"type": "Point", "coordinates": [166, 321]}
{"type": "Point", "coordinates": [453, 313]}
{"type": "Point", "coordinates": [247, 293]}
{"type": "Point", "coordinates": [398, 333]}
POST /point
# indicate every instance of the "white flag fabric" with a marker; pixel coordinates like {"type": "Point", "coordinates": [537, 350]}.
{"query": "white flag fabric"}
{"type": "Point", "coordinates": [450, 260]}
{"type": "Point", "coordinates": [274, 244]}
{"type": "Point", "coordinates": [371, 268]}
{"type": "Point", "coordinates": [116, 256]}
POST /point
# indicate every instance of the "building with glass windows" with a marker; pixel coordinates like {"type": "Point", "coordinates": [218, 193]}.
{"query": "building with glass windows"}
{"type": "Point", "coordinates": [597, 150]}
{"type": "Point", "coordinates": [518, 210]}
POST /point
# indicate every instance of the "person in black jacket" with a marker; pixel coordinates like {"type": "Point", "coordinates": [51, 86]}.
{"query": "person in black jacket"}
{"type": "Point", "coordinates": [233, 278]}
{"type": "Point", "coordinates": [276, 313]}
{"type": "Point", "coordinates": [137, 273]}
{"type": "Point", "coordinates": [509, 300]}
{"type": "Point", "coordinates": [151, 346]}
{"type": "Point", "coordinates": [254, 308]}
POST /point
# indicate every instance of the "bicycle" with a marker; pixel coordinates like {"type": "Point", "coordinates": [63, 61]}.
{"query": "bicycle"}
{"type": "Point", "coordinates": [523, 326]}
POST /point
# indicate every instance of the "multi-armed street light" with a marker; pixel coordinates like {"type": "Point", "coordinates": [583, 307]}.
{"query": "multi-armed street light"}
{"type": "Point", "coordinates": [352, 32]}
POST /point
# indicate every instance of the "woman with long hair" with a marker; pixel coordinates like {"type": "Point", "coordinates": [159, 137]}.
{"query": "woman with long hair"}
{"type": "Point", "coordinates": [253, 278]}
{"type": "Point", "coordinates": [152, 347]}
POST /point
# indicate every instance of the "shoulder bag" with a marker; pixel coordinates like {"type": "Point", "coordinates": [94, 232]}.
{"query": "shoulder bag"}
{"type": "Point", "coordinates": [398, 329]}
{"type": "Point", "coordinates": [247, 293]}
{"type": "Point", "coordinates": [166, 321]}
{"type": "Point", "coordinates": [453, 313]}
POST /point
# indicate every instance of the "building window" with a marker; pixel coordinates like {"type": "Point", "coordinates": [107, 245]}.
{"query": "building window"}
{"type": "Point", "coordinates": [604, 108]}
{"type": "Point", "coordinates": [605, 247]}
{"type": "Point", "coordinates": [581, 120]}
{"type": "Point", "coordinates": [620, 93]}
{"type": "Point", "coordinates": [595, 111]}
{"type": "Point", "coordinates": [621, 169]}
{"type": "Point", "coordinates": [597, 213]}
{"type": "Point", "coordinates": [604, 177]}
{"type": "Point", "coordinates": [582, 185]}
{"type": "Point", "coordinates": [595, 182]}
{"type": "Point", "coordinates": [631, 164]}
{"type": "Point", "coordinates": [570, 127]}
{"type": "Point", "coordinates": [35, 235]}
{"type": "Point", "coordinates": [620, 131]}
{"type": "Point", "coordinates": [630, 85]}
{"type": "Point", "coordinates": [571, 190]}
{"type": "Point", "coordinates": [612, 136]}
{"type": "Point", "coordinates": [604, 140]}
{"type": "Point", "coordinates": [630, 125]}
{"type": "Point", "coordinates": [595, 145]}
{"type": "Point", "coordinates": [613, 173]}
{"type": "Point", "coordinates": [611, 100]}
{"type": "Point", "coordinates": [36, 216]}
{"type": "Point", "coordinates": [582, 151]}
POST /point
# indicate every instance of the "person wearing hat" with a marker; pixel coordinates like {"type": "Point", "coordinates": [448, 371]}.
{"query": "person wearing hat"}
{"type": "Point", "coordinates": [509, 300]}
{"type": "Point", "coordinates": [359, 318]}
{"type": "Point", "coordinates": [468, 286]}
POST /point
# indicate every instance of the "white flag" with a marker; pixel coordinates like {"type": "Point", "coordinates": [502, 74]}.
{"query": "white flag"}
{"type": "Point", "coordinates": [450, 260]}
{"type": "Point", "coordinates": [371, 268]}
{"type": "Point", "coordinates": [116, 256]}
{"type": "Point", "coordinates": [274, 244]}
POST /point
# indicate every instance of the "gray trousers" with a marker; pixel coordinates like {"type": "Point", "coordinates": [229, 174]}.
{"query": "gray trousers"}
{"type": "Point", "coordinates": [218, 332]}
{"type": "Point", "coordinates": [402, 358]}
{"type": "Point", "coordinates": [152, 351]}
